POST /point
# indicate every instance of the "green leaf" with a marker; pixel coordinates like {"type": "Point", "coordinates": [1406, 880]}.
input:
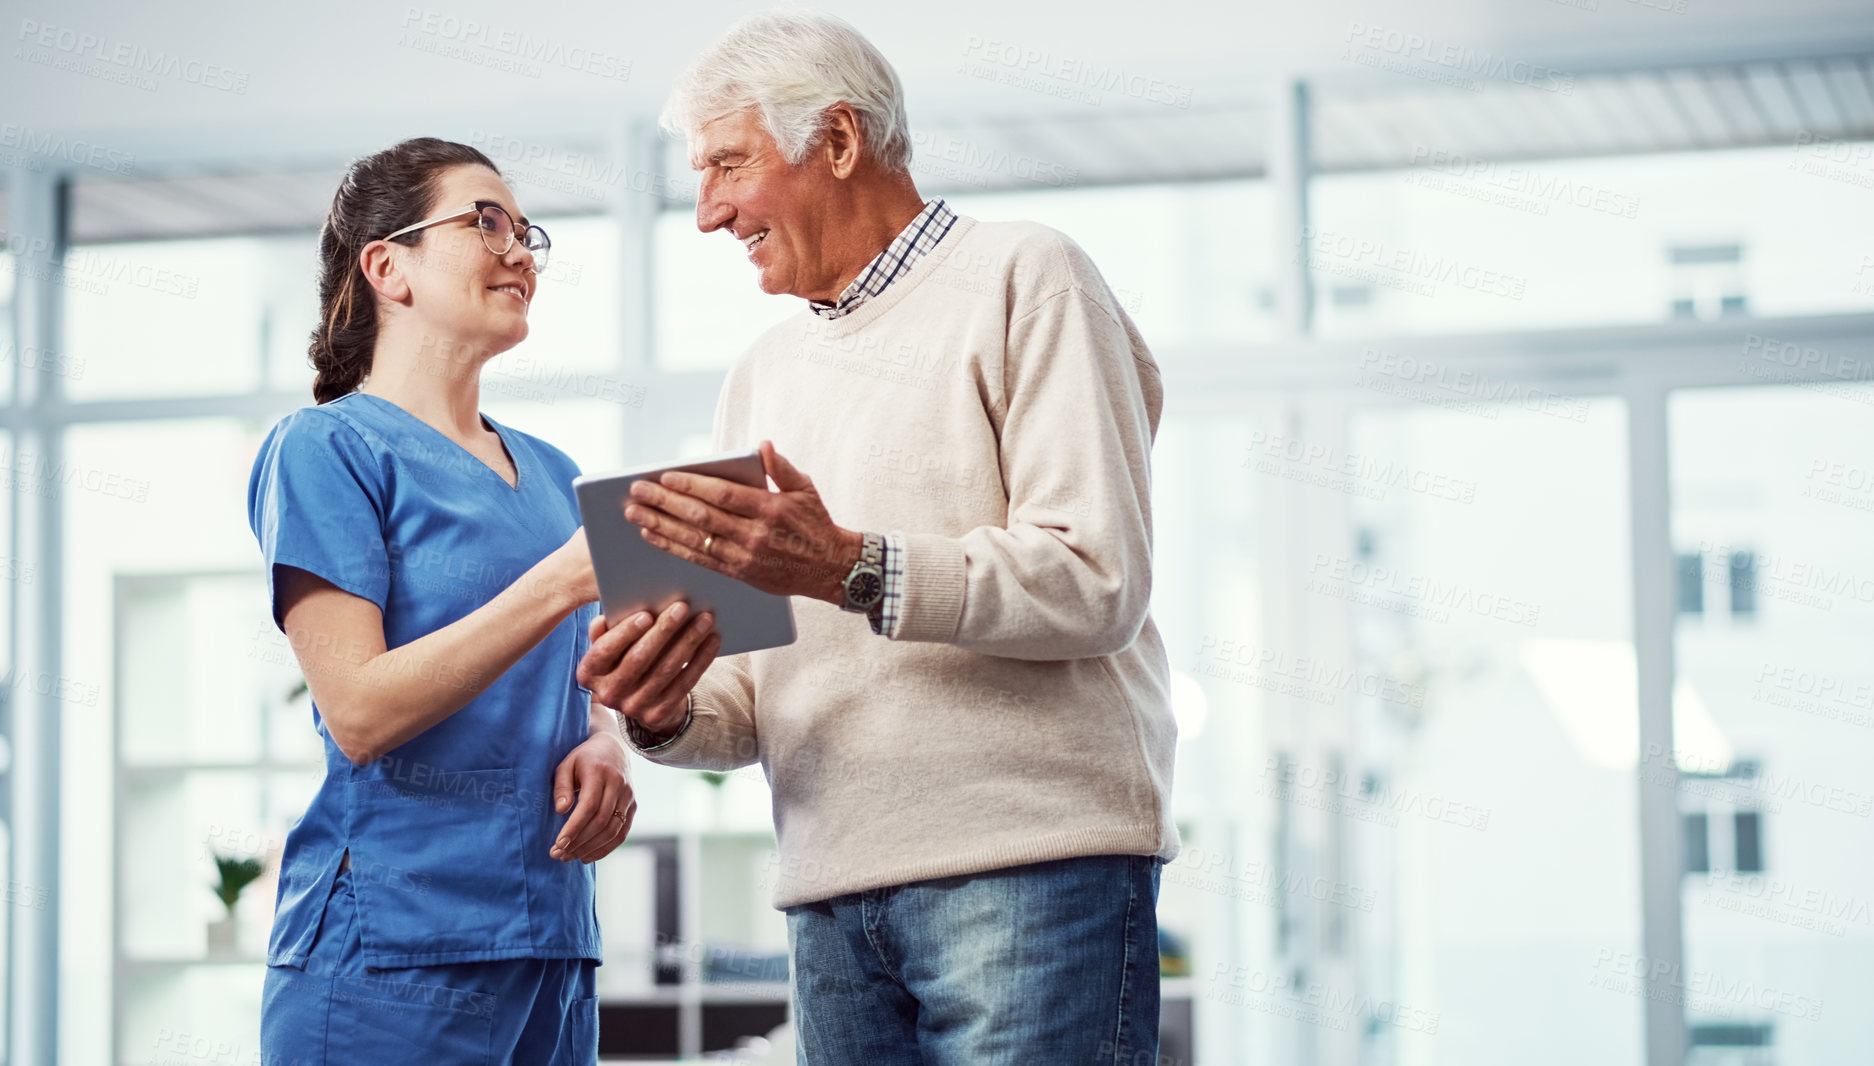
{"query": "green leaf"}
{"type": "Point", "coordinates": [237, 872]}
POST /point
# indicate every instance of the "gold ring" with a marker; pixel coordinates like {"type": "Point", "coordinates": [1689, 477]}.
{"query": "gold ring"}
{"type": "Point", "coordinates": [707, 541]}
{"type": "Point", "coordinates": [620, 815]}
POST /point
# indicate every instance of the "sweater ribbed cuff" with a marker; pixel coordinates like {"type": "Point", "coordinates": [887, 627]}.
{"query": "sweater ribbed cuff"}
{"type": "Point", "coordinates": [933, 589]}
{"type": "Point", "coordinates": [685, 745]}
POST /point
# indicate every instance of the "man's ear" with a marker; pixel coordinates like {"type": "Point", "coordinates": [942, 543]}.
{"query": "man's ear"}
{"type": "Point", "coordinates": [841, 140]}
{"type": "Point", "coordinates": [383, 271]}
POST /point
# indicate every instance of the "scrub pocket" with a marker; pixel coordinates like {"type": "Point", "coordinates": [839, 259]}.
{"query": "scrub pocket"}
{"type": "Point", "coordinates": [420, 902]}
{"type": "Point", "coordinates": [299, 910]}
{"type": "Point", "coordinates": [331, 1009]}
{"type": "Point", "coordinates": [375, 1019]}
{"type": "Point", "coordinates": [582, 1034]}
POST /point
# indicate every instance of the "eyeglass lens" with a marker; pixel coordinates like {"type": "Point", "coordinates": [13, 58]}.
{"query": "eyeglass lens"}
{"type": "Point", "coordinates": [497, 230]}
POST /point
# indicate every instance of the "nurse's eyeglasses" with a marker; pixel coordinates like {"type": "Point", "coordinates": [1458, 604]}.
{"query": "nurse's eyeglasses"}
{"type": "Point", "coordinates": [497, 230]}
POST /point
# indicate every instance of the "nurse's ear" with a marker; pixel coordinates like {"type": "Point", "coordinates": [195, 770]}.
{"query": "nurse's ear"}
{"type": "Point", "coordinates": [384, 269]}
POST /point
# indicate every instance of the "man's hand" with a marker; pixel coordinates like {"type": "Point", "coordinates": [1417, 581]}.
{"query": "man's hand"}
{"type": "Point", "coordinates": [598, 772]}
{"type": "Point", "coordinates": [782, 542]}
{"type": "Point", "coordinates": [644, 669]}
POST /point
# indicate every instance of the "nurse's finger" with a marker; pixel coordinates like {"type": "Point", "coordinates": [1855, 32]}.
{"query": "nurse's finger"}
{"type": "Point", "coordinates": [603, 839]}
{"type": "Point", "coordinates": [566, 845]}
{"type": "Point", "coordinates": [598, 824]}
{"type": "Point", "coordinates": [622, 831]}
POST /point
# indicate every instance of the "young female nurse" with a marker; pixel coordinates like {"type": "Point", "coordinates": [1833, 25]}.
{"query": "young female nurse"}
{"type": "Point", "coordinates": [436, 898]}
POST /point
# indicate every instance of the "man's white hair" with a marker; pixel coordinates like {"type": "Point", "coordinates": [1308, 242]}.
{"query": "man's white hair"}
{"type": "Point", "coordinates": [790, 67]}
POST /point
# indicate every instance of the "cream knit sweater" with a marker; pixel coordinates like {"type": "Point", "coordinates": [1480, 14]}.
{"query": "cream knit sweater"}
{"type": "Point", "coordinates": [995, 407]}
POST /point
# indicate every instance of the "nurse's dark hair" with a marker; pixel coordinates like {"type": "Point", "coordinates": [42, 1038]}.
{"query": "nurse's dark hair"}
{"type": "Point", "coordinates": [381, 194]}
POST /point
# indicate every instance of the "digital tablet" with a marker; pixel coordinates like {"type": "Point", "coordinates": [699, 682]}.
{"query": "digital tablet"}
{"type": "Point", "coordinates": [634, 576]}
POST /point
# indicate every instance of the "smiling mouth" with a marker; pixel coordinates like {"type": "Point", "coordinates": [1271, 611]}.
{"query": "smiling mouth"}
{"type": "Point", "coordinates": [754, 241]}
{"type": "Point", "coordinates": [513, 290]}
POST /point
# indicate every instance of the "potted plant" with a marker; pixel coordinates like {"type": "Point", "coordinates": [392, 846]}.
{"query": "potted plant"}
{"type": "Point", "coordinates": [715, 780]}
{"type": "Point", "coordinates": [237, 872]}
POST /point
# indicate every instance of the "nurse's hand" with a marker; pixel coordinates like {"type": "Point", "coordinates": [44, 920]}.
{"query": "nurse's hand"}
{"type": "Point", "coordinates": [596, 771]}
{"type": "Point", "coordinates": [566, 575]}
{"type": "Point", "coordinates": [645, 667]}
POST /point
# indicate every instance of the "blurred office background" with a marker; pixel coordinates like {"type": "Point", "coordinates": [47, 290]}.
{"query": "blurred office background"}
{"type": "Point", "coordinates": [1514, 495]}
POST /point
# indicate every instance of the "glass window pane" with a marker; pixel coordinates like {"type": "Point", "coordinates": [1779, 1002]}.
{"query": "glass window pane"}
{"type": "Point", "coordinates": [1207, 598]}
{"type": "Point", "coordinates": [1777, 931]}
{"type": "Point", "coordinates": [1190, 263]}
{"type": "Point", "coordinates": [590, 431]}
{"type": "Point", "coordinates": [8, 347]}
{"type": "Point", "coordinates": [1489, 787]}
{"type": "Point", "coordinates": [573, 323]}
{"type": "Point", "coordinates": [166, 318]}
{"type": "Point", "coordinates": [1179, 271]}
{"type": "Point", "coordinates": [1457, 244]}
{"type": "Point", "coordinates": [709, 305]}
{"type": "Point", "coordinates": [141, 498]}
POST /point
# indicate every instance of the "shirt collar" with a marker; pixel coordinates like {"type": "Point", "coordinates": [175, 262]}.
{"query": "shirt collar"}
{"type": "Point", "coordinates": [911, 244]}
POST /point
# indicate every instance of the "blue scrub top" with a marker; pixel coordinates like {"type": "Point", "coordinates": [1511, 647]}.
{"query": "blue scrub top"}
{"type": "Point", "coordinates": [448, 833]}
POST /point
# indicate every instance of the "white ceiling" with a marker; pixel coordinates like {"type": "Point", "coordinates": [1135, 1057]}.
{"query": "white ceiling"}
{"type": "Point", "coordinates": [322, 87]}
{"type": "Point", "coordinates": [338, 76]}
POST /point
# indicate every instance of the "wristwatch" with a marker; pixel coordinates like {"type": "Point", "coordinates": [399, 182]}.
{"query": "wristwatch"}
{"type": "Point", "coordinates": [865, 586]}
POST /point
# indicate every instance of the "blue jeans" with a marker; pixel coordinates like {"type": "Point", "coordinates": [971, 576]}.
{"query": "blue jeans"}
{"type": "Point", "coordinates": [1053, 963]}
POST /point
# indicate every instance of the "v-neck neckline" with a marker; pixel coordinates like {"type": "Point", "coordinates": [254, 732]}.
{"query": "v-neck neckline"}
{"type": "Point", "coordinates": [493, 426]}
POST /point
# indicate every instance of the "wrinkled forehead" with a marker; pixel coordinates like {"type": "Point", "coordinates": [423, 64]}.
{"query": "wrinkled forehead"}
{"type": "Point", "coordinates": [727, 139]}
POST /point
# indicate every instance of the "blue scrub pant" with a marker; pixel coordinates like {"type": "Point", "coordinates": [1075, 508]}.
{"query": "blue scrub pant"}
{"type": "Point", "coordinates": [529, 1012]}
{"type": "Point", "coordinates": [1051, 964]}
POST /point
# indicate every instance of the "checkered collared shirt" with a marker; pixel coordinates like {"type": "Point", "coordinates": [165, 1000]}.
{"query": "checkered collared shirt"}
{"type": "Point", "coordinates": [894, 262]}
{"type": "Point", "coordinates": [911, 244]}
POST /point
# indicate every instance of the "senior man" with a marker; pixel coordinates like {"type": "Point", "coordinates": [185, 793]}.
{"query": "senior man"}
{"type": "Point", "coordinates": [970, 744]}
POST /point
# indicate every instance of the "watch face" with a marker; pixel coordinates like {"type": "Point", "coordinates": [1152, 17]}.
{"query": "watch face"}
{"type": "Point", "coordinates": [865, 588]}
